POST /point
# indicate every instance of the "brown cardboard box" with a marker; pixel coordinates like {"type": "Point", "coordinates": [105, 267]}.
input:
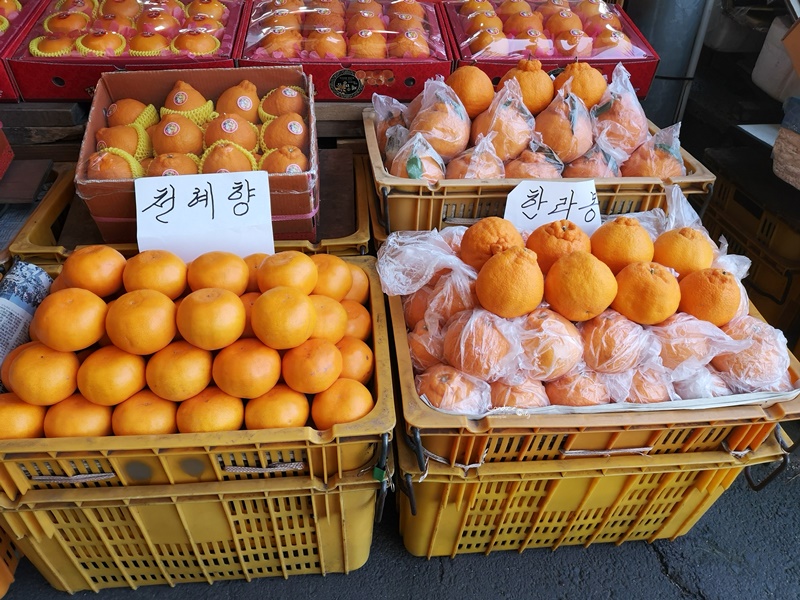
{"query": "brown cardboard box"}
{"type": "Point", "coordinates": [112, 203]}
{"type": "Point", "coordinates": [791, 41]}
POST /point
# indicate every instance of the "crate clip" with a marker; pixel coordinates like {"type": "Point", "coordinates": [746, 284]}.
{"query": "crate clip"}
{"type": "Point", "coordinates": [643, 451]}
{"type": "Point", "coordinates": [270, 468]}
{"type": "Point", "coordinates": [758, 486]}
{"type": "Point", "coordinates": [79, 478]}
{"type": "Point", "coordinates": [424, 455]}
{"type": "Point", "coordinates": [788, 448]}
{"type": "Point", "coordinates": [737, 454]}
{"type": "Point", "coordinates": [406, 485]}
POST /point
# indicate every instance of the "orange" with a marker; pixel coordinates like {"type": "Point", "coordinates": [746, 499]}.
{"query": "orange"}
{"type": "Point", "coordinates": [451, 295]}
{"type": "Point", "coordinates": [487, 237]}
{"type": "Point", "coordinates": [211, 318]}
{"type": "Point", "coordinates": [253, 261]}
{"type": "Point", "coordinates": [653, 161]}
{"type": "Point", "coordinates": [622, 119]}
{"type": "Point", "coordinates": [358, 360]}
{"type": "Point", "coordinates": [533, 165]}
{"type": "Point", "coordinates": [473, 6]}
{"type": "Point", "coordinates": [288, 129]}
{"type": "Point", "coordinates": [289, 268]}
{"type": "Point", "coordinates": [686, 250]}
{"type": "Point", "coordinates": [359, 320]}
{"type": "Point", "coordinates": [612, 343]}
{"type": "Point", "coordinates": [179, 371]}
{"type": "Point", "coordinates": [445, 125]}
{"type": "Point", "coordinates": [478, 162]}
{"type": "Point", "coordinates": [6, 366]}
{"type": "Point", "coordinates": [528, 394]}
{"type": "Point", "coordinates": [603, 21]}
{"type": "Point", "coordinates": [489, 42]}
{"type": "Point", "coordinates": [425, 346]}
{"type": "Point", "coordinates": [565, 126]}
{"type": "Point", "coordinates": [159, 270]}
{"type": "Point", "coordinates": [219, 269]}
{"type": "Point", "coordinates": [331, 318]}
{"type": "Point", "coordinates": [553, 240]}
{"type": "Point", "coordinates": [248, 300]}
{"type": "Point", "coordinates": [345, 401]}
{"type": "Point", "coordinates": [246, 369]}
{"type": "Point", "coordinates": [578, 388]}
{"type": "Point", "coordinates": [683, 337]}
{"type": "Point", "coordinates": [587, 83]}
{"type": "Point", "coordinates": [334, 277]}
{"type": "Point", "coordinates": [416, 160]}
{"type": "Point", "coordinates": [481, 21]}
{"type": "Point", "coordinates": [141, 322]}
{"type": "Point", "coordinates": [551, 344]}
{"type": "Point", "coordinates": [647, 293]}
{"type": "Point", "coordinates": [648, 385]}
{"type": "Point", "coordinates": [416, 304]}
{"type": "Point", "coordinates": [579, 286]}
{"type": "Point", "coordinates": [534, 82]}
{"type": "Point", "coordinates": [473, 87]}
{"type": "Point", "coordinates": [43, 376]}
{"type": "Point", "coordinates": [520, 23]}
{"type": "Point", "coordinates": [447, 388]}
{"type": "Point", "coordinates": [19, 420]}
{"type": "Point", "coordinates": [69, 320]}
{"type": "Point", "coordinates": [59, 283]}
{"type": "Point", "coordinates": [561, 21]}
{"type": "Point", "coordinates": [511, 123]}
{"type": "Point", "coordinates": [312, 366]}
{"type": "Point", "coordinates": [621, 242]}
{"type": "Point", "coordinates": [109, 376]}
{"type": "Point", "coordinates": [711, 294]}
{"type": "Point", "coordinates": [279, 407]}
{"type": "Point", "coordinates": [283, 317]}
{"type": "Point", "coordinates": [476, 344]}
{"type": "Point", "coordinates": [359, 289]}
{"type": "Point", "coordinates": [144, 413]}
{"type": "Point", "coordinates": [75, 416]}
{"type": "Point", "coordinates": [510, 284]}
{"type": "Point", "coordinates": [96, 268]}
{"type": "Point", "coordinates": [509, 8]}
{"type": "Point", "coordinates": [210, 410]}
{"type": "Point", "coordinates": [573, 43]}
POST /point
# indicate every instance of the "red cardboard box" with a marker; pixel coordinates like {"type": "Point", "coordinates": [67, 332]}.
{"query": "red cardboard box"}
{"type": "Point", "coordinates": [18, 21]}
{"type": "Point", "coordinates": [112, 202]}
{"type": "Point", "coordinates": [352, 78]}
{"type": "Point", "coordinates": [641, 60]}
{"type": "Point", "coordinates": [73, 76]}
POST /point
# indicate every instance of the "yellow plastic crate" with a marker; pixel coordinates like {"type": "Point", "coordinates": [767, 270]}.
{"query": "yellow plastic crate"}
{"type": "Point", "coordinates": [286, 454]}
{"type": "Point", "coordinates": [157, 535]}
{"type": "Point", "coordinates": [551, 504]}
{"type": "Point", "coordinates": [9, 559]}
{"type": "Point", "coordinates": [408, 204]}
{"type": "Point", "coordinates": [456, 440]}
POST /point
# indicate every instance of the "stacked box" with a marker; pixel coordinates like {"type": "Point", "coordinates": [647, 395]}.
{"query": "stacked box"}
{"type": "Point", "coordinates": [16, 19]}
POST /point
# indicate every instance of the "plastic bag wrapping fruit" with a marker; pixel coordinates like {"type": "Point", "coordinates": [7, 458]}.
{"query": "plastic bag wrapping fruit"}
{"type": "Point", "coordinates": [510, 120]}
{"type": "Point", "coordinates": [580, 387]}
{"type": "Point", "coordinates": [646, 383]}
{"type": "Point", "coordinates": [551, 346]}
{"type": "Point", "coordinates": [613, 343]}
{"type": "Point", "coordinates": [442, 119]}
{"type": "Point", "coordinates": [481, 344]}
{"type": "Point", "coordinates": [658, 156]}
{"type": "Point", "coordinates": [426, 346]}
{"type": "Point", "coordinates": [528, 393]}
{"type": "Point", "coordinates": [738, 265]}
{"type": "Point", "coordinates": [761, 367]}
{"type": "Point", "coordinates": [408, 260]}
{"type": "Point", "coordinates": [388, 113]}
{"type": "Point", "coordinates": [620, 114]}
{"type": "Point", "coordinates": [688, 343]}
{"type": "Point", "coordinates": [453, 236]}
{"type": "Point", "coordinates": [537, 161]}
{"type": "Point", "coordinates": [479, 162]}
{"type": "Point", "coordinates": [565, 126]}
{"type": "Point", "coordinates": [417, 159]}
{"type": "Point", "coordinates": [396, 138]}
{"type": "Point", "coordinates": [601, 160]}
{"type": "Point", "coordinates": [452, 293]}
{"type": "Point", "coordinates": [701, 382]}
{"type": "Point", "coordinates": [450, 390]}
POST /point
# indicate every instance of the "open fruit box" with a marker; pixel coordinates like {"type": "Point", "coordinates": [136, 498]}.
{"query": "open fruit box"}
{"type": "Point", "coordinates": [65, 52]}
{"type": "Point", "coordinates": [625, 44]}
{"type": "Point", "coordinates": [112, 202]}
{"type": "Point", "coordinates": [408, 48]}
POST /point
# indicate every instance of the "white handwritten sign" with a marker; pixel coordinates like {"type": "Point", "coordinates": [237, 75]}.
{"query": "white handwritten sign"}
{"type": "Point", "coordinates": [533, 203]}
{"type": "Point", "coordinates": [193, 214]}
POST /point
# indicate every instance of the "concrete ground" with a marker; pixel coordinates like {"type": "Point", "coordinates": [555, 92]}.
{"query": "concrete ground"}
{"type": "Point", "coordinates": [745, 547]}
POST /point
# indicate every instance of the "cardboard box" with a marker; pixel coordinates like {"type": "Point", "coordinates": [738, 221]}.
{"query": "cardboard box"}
{"type": "Point", "coordinates": [73, 76]}
{"type": "Point", "coordinates": [112, 202]}
{"type": "Point", "coordinates": [791, 41]}
{"type": "Point", "coordinates": [19, 24]}
{"type": "Point", "coordinates": [641, 63]}
{"type": "Point", "coordinates": [355, 79]}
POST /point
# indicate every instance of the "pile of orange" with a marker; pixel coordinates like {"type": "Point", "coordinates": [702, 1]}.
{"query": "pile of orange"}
{"type": "Point", "coordinates": [188, 134]}
{"type": "Point", "coordinates": [151, 345]}
{"type": "Point", "coordinates": [617, 285]}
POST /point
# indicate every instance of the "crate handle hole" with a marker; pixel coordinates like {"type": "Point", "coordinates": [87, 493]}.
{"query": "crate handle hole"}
{"type": "Point", "coordinates": [58, 82]}
{"type": "Point", "coordinates": [410, 81]}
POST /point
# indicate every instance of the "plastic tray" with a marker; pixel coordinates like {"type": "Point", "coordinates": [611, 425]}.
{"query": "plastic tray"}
{"type": "Point", "coordinates": [156, 535]}
{"type": "Point", "coordinates": [552, 504]}
{"type": "Point", "coordinates": [457, 440]}
{"type": "Point", "coordinates": [409, 204]}
{"type": "Point", "coordinates": [107, 462]}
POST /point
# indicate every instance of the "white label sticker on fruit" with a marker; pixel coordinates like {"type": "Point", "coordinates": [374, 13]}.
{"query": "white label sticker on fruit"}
{"type": "Point", "coordinates": [537, 202]}
{"type": "Point", "coordinates": [193, 214]}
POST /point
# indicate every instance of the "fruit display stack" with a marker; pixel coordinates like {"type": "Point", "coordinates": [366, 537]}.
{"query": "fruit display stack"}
{"type": "Point", "coordinates": [16, 17]}
{"type": "Point", "coordinates": [151, 345]}
{"type": "Point", "coordinates": [382, 43]}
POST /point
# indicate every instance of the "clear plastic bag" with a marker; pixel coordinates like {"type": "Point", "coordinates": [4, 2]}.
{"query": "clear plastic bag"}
{"type": "Point", "coordinates": [613, 343]}
{"type": "Point", "coordinates": [442, 119]}
{"type": "Point", "coordinates": [620, 115]}
{"type": "Point", "coordinates": [417, 159]}
{"type": "Point", "coordinates": [602, 160]}
{"type": "Point", "coordinates": [446, 388]}
{"type": "Point", "coordinates": [509, 119]}
{"type": "Point", "coordinates": [565, 126]}
{"type": "Point", "coordinates": [647, 383]}
{"type": "Point", "coordinates": [396, 137]}
{"type": "Point", "coordinates": [479, 162]}
{"type": "Point", "coordinates": [579, 387]}
{"type": "Point", "coordinates": [659, 156]}
{"type": "Point", "coordinates": [551, 345]}
{"type": "Point", "coordinates": [538, 161]}
{"type": "Point", "coordinates": [528, 393]}
{"type": "Point", "coordinates": [701, 382]}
